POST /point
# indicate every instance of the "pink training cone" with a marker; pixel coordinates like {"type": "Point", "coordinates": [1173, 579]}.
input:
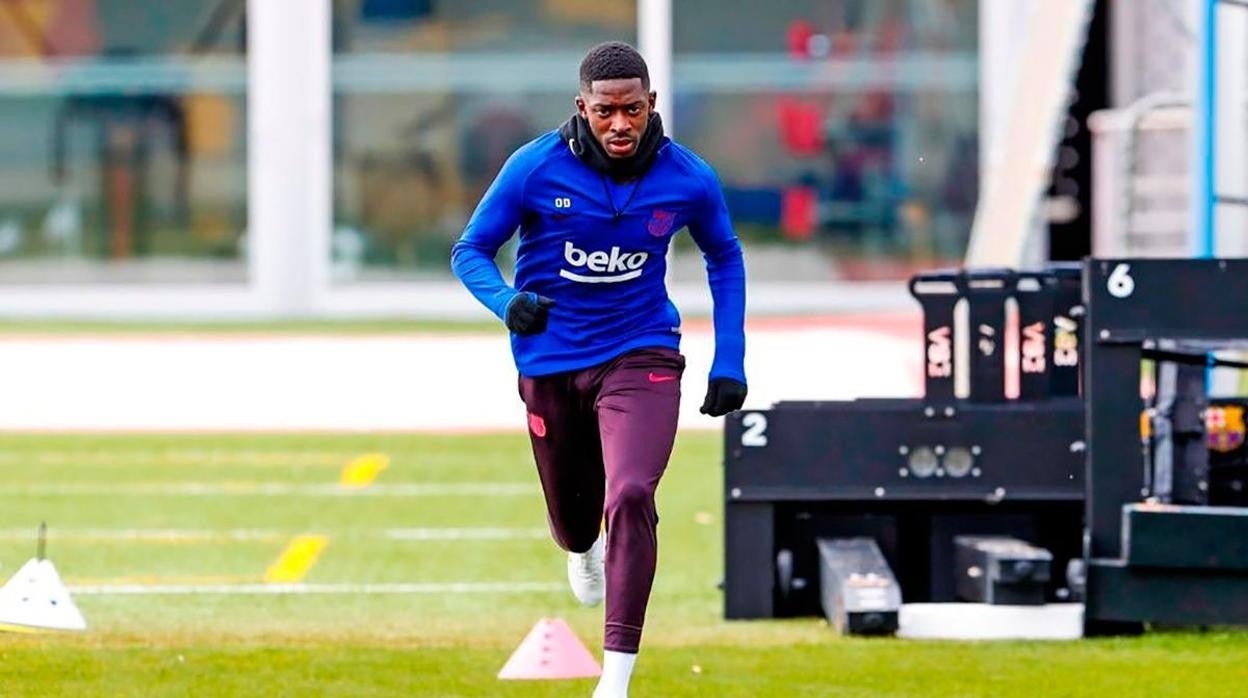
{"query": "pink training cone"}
{"type": "Point", "coordinates": [550, 651]}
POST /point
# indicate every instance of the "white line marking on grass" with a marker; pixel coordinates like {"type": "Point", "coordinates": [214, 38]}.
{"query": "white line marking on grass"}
{"type": "Point", "coordinates": [281, 589]}
{"type": "Point", "coordinates": [121, 457]}
{"type": "Point", "coordinates": [466, 533]}
{"type": "Point", "coordinates": [274, 489]}
{"type": "Point", "coordinates": [163, 580]}
{"type": "Point", "coordinates": [186, 536]}
{"type": "Point", "coordinates": [150, 535]}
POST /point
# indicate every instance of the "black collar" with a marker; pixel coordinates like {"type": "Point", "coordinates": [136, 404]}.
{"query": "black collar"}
{"type": "Point", "coordinates": [576, 133]}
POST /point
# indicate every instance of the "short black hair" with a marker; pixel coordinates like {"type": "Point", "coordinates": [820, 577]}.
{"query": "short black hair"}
{"type": "Point", "coordinates": [613, 60]}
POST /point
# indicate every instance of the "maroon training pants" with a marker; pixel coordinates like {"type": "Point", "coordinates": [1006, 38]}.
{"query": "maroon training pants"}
{"type": "Point", "coordinates": [601, 438]}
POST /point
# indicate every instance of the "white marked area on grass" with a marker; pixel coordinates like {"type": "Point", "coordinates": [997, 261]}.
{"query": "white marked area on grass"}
{"type": "Point", "coordinates": [185, 536]}
{"type": "Point", "coordinates": [424, 383]}
{"type": "Point", "coordinates": [167, 536]}
{"type": "Point", "coordinates": [260, 383]}
{"type": "Point", "coordinates": [980, 621]}
{"type": "Point", "coordinates": [108, 456]}
{"type": "Point", "coordinates": [161, 580]}
{"type": "Point", "coordinates": [284, 589]}
{"type": "Point", "coordinates": [273, 489]}
{"type": "Point", "coordinates": [418, 534]}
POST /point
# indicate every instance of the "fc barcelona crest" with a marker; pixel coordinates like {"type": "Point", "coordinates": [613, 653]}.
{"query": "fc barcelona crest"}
{"type": "Point", "coordinates": [1225, 428]}
{"type": "Point", "coordinates": [661, 223]}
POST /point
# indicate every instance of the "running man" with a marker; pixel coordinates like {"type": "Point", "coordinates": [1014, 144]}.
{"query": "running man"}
{"type": "Point", "coordinates": [594, 335]}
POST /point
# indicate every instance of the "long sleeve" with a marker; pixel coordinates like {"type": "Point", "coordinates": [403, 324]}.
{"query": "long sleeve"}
{"type": "Point", "coordinates": [725, 271]}
{"type": "Point", "coordinates": [493, 223]}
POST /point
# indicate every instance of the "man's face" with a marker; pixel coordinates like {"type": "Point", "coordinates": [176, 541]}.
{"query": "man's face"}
{"type": "Point", "coordinates": [617, 111]}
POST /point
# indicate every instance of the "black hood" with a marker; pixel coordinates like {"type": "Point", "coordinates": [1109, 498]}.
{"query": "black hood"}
{"type": "Point", "coordinates": [576, 133]}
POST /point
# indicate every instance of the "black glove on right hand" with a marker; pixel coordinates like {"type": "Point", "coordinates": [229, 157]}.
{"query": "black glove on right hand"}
{"type": "Point", "coordinates": [527, 313]}
{"type": "Point", "coordinates": [723, 395]}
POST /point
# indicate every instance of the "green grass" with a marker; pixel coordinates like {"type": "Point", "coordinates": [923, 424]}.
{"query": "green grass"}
{"type": "Point", "coordinates": [453, 645]}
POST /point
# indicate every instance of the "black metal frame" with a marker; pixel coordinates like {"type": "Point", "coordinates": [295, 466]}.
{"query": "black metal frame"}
{"type": "Point", "coordinates": [807, 483]}
{"type": "Point", "coordinates": [792, 476]}
{"type": "Point", "coordinates": [1135, 305]}
{"type": "Point", "coordinates": [802, 471]}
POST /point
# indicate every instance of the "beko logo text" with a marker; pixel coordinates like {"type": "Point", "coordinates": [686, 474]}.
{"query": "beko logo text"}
{"type": "Point", "coordinates": [616, 265]}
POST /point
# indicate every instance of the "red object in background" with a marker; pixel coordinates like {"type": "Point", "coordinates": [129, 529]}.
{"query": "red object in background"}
{"type": "Point", "coordinates": [801, 128]}
{"type": "Point", "coordinates": [844, 42]}
{"type": "Point", "coordinates": [798, 38]}
{"type": "Point", "coordinates": [891, 37]}
{"type": "Point", "coordinates": [797, 212]}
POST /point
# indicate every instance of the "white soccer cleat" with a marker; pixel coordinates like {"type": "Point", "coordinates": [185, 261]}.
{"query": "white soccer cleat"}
{"type": "Point", "coordinates": [587, 574]}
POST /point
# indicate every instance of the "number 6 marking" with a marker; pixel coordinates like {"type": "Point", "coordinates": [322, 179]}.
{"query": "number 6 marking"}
{"type": "Point", "coordinates": [755, 433]}
{"type": "Point", "coordinates": [1121, 285]}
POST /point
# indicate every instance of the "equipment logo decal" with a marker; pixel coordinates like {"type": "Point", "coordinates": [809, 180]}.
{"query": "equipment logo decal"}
{"type": "Point", "coordinates": [1225, 428]}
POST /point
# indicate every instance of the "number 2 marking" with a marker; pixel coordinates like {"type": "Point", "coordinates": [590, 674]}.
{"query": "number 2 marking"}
{"type": "Point", "coordinates": [755, 433]}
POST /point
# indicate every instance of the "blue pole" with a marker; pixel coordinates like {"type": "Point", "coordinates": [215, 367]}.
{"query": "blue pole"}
{"type": "Point", "coordinates": [1203, 120]}
{"type": "Point", "coordinates": [1203, 127]}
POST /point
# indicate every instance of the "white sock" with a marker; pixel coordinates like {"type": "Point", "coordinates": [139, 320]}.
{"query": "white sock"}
{"type": "Point", "coordinates": [617, 669]}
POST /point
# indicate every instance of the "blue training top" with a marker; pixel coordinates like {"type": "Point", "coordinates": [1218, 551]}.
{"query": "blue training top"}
{"type": "Point", "coordinates": [599, 249]}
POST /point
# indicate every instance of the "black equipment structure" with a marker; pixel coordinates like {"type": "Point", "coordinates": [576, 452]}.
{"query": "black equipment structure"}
{"type": "Point", "coordinates": [912, 475]}
{"type": "Point", "coordinates": [997, 570]}
{"type": "Point", "coordinates": [1155, 551]}
{"type": "Point", "coordinates": [857, 587]}
{"type": "Point", "coordinates": [1110, 477]}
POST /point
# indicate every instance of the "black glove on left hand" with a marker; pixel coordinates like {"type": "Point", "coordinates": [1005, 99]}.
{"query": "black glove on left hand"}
{"type": "Point", "coordinates": [723, 395]}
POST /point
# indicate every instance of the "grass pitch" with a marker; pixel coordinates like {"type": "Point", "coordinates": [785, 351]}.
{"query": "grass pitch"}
{"type": "Point", "coordinates": [216, 512]}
